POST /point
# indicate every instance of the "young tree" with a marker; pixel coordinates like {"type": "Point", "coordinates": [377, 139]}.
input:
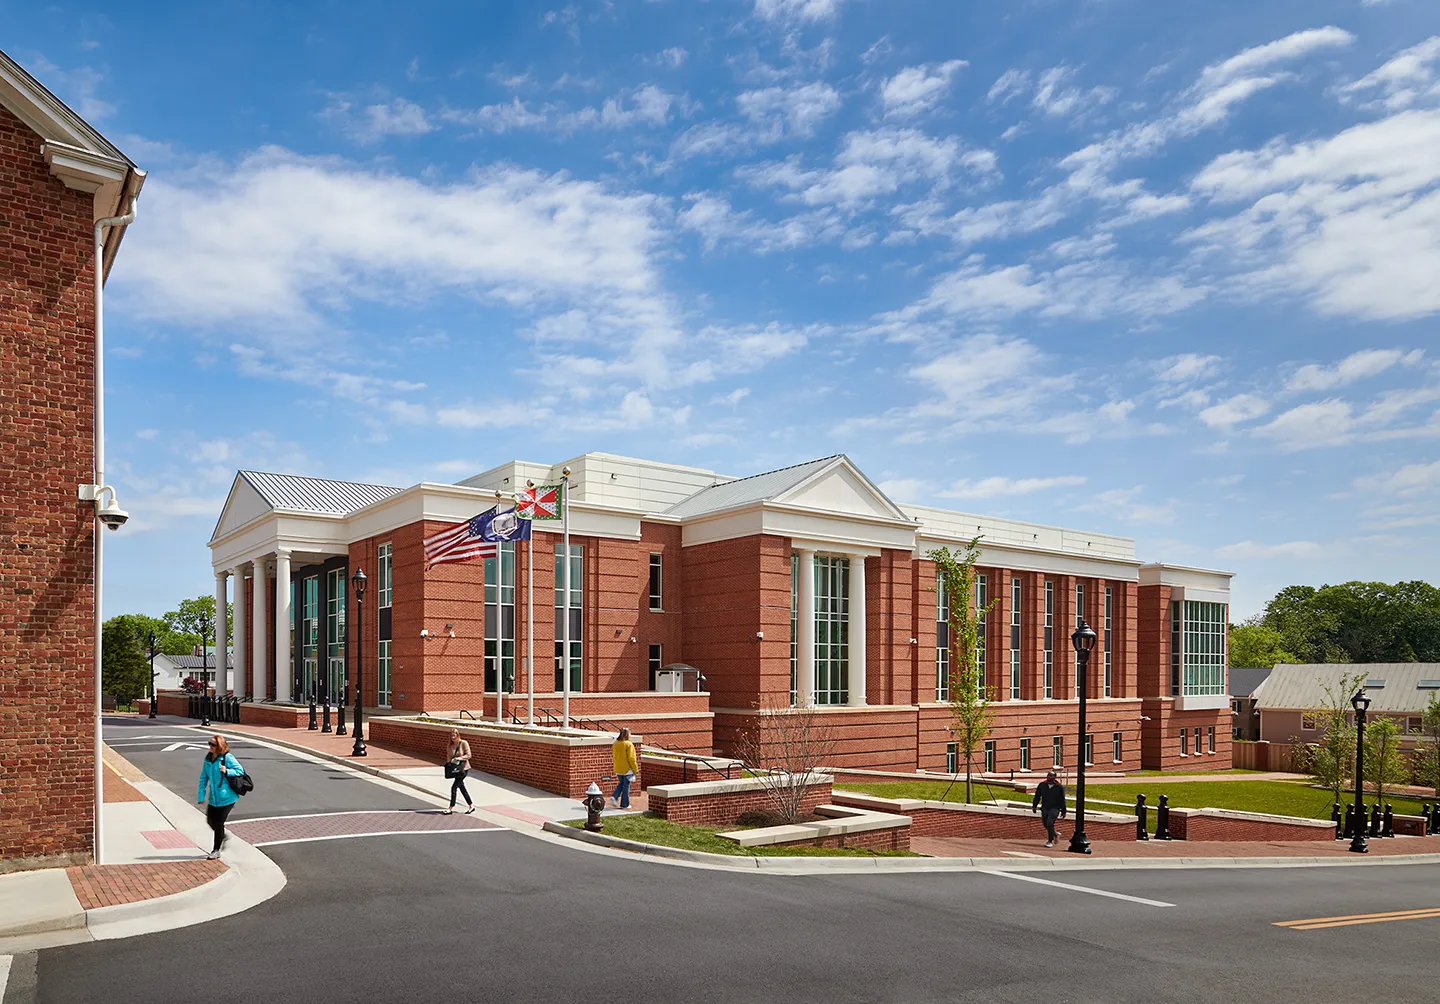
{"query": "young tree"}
{"type": "Point", "coordinates": [788, 746]}
{"type": "Point", "coordinates": [970, 713]}
{"type": "Point", "coordinates": [1427, 753]}
{"type": "Point", "coordinates": [1333, 760]}
{"type": "Point", "coordinates": [124, 667]}
{"type": "Point", "coordinates": [1384, 763]}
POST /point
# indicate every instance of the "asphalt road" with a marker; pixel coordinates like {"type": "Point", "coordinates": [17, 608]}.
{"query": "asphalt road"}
{"type": "Point", "coordinates": [460, 917]}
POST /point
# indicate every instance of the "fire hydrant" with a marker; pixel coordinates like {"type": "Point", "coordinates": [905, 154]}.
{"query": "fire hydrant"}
{"type": "Point", "coordinates": [594, 805]}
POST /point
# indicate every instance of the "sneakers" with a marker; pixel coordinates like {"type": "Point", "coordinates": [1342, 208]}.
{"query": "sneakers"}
{"type": "Point", "coordinates": [212, 856]}
{"type": "Point", "coordinates": [469, 810]}
{"type": "Point", "coordinates": [1049, 843]}
{"type": "Point", "coordinates": [450, 811]}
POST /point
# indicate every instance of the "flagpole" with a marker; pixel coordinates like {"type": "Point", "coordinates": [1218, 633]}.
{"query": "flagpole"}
{"type": "Point", "coordinates": [565, 614]}
{"type": "Point", "coordinates": [530, 618]}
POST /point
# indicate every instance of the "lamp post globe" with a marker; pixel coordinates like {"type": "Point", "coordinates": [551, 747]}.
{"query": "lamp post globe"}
{"type": "Point", "coordinates": [1361, 703]}
{"type": "Point", "coordinates": [358, 581]}
{"type": "Point", "coordinates": [1084, 640]}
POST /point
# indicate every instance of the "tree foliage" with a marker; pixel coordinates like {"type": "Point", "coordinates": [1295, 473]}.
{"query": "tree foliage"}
{"type": "Point", "coordinates": [970, 713]}
{"type": "Point", "coordinates": [1257, 646]}
{"type": "Point", "coordinates": [1427, 747]}
{"type": "Point", "coordinates": [1332, 761]}
{"type": "Point", "coordinates": [1384, 763]}
{"type": "Point", "coordinates": [124, 663]}
{"type": "Point", "coordinates": [1350, 622]}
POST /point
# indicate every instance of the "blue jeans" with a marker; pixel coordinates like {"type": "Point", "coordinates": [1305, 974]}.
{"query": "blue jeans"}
{"type": "Point", "coordinates": [622, 790]}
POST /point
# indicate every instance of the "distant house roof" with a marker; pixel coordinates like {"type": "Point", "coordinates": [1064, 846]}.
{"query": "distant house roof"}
{"type": "Point", "coordinates": [1244, 679]}
{"type": "Point", "coordinates": [193, 661]}
{"type": "Point", "coordinates": [1396, 687]}
{"type": "Point", "coordinates": [336, 498]}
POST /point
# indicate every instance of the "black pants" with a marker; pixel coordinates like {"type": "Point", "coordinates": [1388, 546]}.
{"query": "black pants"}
{"type": "Point", "coordinates": [1048, 817]}
{"type": "Point", "coordinates": [459, 786]}
{"type": "Point", "coordinates": [216, 815]}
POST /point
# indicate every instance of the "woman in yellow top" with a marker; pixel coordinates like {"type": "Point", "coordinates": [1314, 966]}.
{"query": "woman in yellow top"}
{"type": "Point", "coordinates": [627, 765]}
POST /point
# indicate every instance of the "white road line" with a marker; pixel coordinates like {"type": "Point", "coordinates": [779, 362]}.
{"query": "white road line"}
{"type": "Point", "coordinates": [4, 973]}
{"type": "Point", "coordinates": [1077, 888]}
{"type": "Point", "coordinates": [384, 833]}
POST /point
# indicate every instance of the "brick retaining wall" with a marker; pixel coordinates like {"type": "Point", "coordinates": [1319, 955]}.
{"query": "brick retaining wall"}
{"type": "Point", "coordinates": [1210, 824]}
{"type": "Point", "coordinates": [699, 804]}
{"type": "Point", "coordinates": [655, 770]}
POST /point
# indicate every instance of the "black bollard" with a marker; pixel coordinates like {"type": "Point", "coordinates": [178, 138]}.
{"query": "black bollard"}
{"type": "Point", "coordinates": [1375, 820]}
{"type": "Point", "coordinates": [1388, 830]}
{"type": "Point", "coordinates": [1141, 830]}
{"type": "Point", "coordinates": [1162, 819]}
{"type": "Point", "coordinates": [1335, 818]}
{"type": "Point", "coordinates": [1435, 818]}
{"type": "Point", "coordinates": [205, 710]}
{"type": "Point", "coordinates": [340, 718]}
{"type": "Point", "coordinates": [313, 724]}
{"type": "Point", "coordinates": [1349, 820]}
{"type": "Point", "coordinates": [325, 714]}
{"type": "Point", "coordinates": [1425, 815]}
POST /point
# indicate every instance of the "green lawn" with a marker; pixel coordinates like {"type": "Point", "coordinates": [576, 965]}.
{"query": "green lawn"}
{"type": "Point", "coordinates": [1194, 773]}
{"type": "Point", "coordinates": [653, 830]}
{"type": "Point", "coordinates": [1286, 798]}
{"type": "Point", "coordinates": [931, 791]}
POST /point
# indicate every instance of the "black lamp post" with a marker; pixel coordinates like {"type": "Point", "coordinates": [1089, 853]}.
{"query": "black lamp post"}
{"type": "Point", "coordinates": [1084, 640]}
{"type": "Point", "coordinates": [1361, 703]}
{"type": "Point", "coordinates": [358, 581]}
{"type": "Point", "coordinates": [153, 696]}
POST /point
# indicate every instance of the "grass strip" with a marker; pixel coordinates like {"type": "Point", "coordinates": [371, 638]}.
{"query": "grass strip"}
{"type": "Point", "coordinates": [649, 829]}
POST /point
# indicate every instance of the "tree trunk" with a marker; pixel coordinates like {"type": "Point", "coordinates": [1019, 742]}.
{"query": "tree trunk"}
{"type": "Point", "coordinates": [968, 761]}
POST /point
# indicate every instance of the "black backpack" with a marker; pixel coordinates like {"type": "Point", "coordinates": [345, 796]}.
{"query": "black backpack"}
{"type": "Point", "coordinates": [240, 783]}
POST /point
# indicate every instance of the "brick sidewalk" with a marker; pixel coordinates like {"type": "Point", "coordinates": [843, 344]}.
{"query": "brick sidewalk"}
{"type": "Point", "coordinates": [117, 789]}
{"type": "Point", "coordinates": [328, 743]}
{"type": "Point", "coordinates": [111, 885]}
{"type": "Point", "coordinates": [960, 847]}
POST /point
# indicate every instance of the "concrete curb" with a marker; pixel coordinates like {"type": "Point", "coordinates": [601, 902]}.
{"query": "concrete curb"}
{"type": "Point", "coordinates": [884, 865]}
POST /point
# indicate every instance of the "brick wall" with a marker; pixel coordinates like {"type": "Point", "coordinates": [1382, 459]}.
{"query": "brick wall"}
{"type": "Point", "coordinates": [47, 365]}
{"type": "Point", "coordinates": [665, 770]}
{"type": "Point", "coordinates": [722, 808]}
{"type": "Point", "coordinates": [1198, 824]}
{"type": "Point", "coordinates": [890, 838]}
{"type": "Point", "coordinates": [268, 714]}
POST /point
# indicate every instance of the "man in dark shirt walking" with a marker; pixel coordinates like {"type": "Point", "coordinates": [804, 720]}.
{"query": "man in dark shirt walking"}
{"type": "Point", "coordinates": [1050, 800]}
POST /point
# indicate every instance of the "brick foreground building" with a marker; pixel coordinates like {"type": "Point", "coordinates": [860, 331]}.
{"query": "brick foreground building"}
{"type": "Point", "coordinates": [57, 177]}
{"type": "Point", "coordinates": [805, 585]}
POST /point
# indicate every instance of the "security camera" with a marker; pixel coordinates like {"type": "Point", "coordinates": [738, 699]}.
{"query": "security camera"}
{"type": "Point", "coordinates": [112, 515]}
{"type": "Point", "coordinates": [760, 635]}
{"type": "Point", "coordinates": [424, 632]}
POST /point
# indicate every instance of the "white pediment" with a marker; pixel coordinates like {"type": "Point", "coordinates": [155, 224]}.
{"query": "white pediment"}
{"type": "Point", "coordinates": [842, 489]}
{"type": "Point", "coordinates": [243, 505]}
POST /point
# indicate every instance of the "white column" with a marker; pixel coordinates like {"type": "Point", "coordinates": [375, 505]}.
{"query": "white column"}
{"type": "Point", "coordinates": [242, 656]}
{"type": "Point", "coordinates": [284, 675]}
{"type": "Point", "coordinates": [805, 645]}
{"type": "Point", "coordinates": [257, 664]}
{"type": "Point", "coordinates": [222, 669]}
{"type": "Point", "coordinates": [857, 631]}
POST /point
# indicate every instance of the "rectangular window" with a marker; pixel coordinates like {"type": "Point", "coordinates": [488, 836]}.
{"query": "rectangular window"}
{"type": "Point", "coordinates": [1015, 638]}
{"type": "Point", "coordinates": [832, 630]}
{"type": "Point", "coordinates": [1210, 739]}
{"type": "Point", "coordinates": [656, 570]}
{"type": "Point", "coordinates": [982, 597]}
{"type": "Point", "coordinates": [989, 756]}
{"type": "Point", "coordinates": [1414, 725]}
{"type": "Point", "coordinates": [1116, 747]}
{"type": "Point", "coordinates": [336, 585]}
{"type": "Point", "coordinates": [656, 660]}
{"type": "Point", "coordinates": [1204, 651]}
{"type": "Point", "coordinates": [1079, 619]}
{"type": "Point", "coordinates": [1309, 720]}
{"type": "Point", "coordinates": [1049, 640]}
{"type": "Point", "coordinates": [1175, 649]}
{"type": "Point", "coordinates": [500, 619]}
{"type": "Point", "coordinates": [310, 636]}
{"type": "Point", "coordinates": [952, 758]}
{"type": "Point", "coordinates": [942, 640]}
{"type": "Point", "coordinates": [1198, 747]}
{"type": "Point", "coordinates": [384, 598]}
{"type": "Point", "coordinates": [1057, 751]}
{"type": "Point", "coordinates": [794, 621]}
{"type": "Point", "coordinates": [1024, 754]}
{"type": "Point", "coordinates": [1184, 743]}
{"type": "Point", "coordinates": [574, 568]}
{"type": "Point", "coordinates": [1089, 748]}
{"type": "Point", "coordinates": [1109, 613]}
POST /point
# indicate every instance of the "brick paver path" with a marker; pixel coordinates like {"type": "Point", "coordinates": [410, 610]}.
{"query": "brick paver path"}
{"type": "Point", "coordinates": [326, 826]}
{"type": "Point", "coordinates": [378, 757]}
{"type": "Point", "coordinates": [117, 789]}
{"type": "Point", "coordinates": [960, 847]}
{"type": "Point", "coordinates": [111, 885]}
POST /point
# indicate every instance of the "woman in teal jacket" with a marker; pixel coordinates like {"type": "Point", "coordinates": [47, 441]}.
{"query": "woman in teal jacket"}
{"type": "Point", "coordinates": [219, 766]}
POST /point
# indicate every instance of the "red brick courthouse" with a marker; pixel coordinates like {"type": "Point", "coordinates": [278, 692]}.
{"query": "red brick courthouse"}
{"type": "Point", "coordinates": [58, 176]}
{"type": "Point", "coordinates": [805, 585]}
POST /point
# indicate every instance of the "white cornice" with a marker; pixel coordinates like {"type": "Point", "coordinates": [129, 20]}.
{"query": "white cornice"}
{"type": "Point", "coordinates": [82, 169]}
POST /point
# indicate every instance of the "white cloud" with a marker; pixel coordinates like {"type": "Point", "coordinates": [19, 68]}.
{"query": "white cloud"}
{"type": "Point", "coordinates": [717, 221]}
{"type": "Point", "coordinates": [903, 489]}
{"type": "Point", "coordinates": [373, 123]}
{"type": "Point", "coordinates": [1334, 422]}
{"type": "Point", "coordinates": [1052, 97]}
{"type": "Point", "coordinates": [1232, 411]}
{"type": "Point", "coordinates": [80, 87]}
{"type": "Point", "coordinates": [644, 106]}
{"type": "Point", "coordinates": [1407, 482]}
{"type": "Point", "coordinates": [1010, 85]}
{"type": "Point", "coordinates": [797, 11]}
{"type": "Point", "coordinates": [1411, 78]}
{"type": "Point", "coordinates": [1251, 549]}
{"type": "Point", "coordinates": [673, 56]}
{"type": "Point", "coordinates": [794, 111]}
{"type": "Point", "coordinates": [1189, 367]}
{"type": "Point", "coordinates": [1357, 366]}
{"type": "Point", "coordinates": [1124, 504]}
{"type": "Point", "coordinates": [917, 89]}
{"type": "Point", "coordinates": [992, 487]}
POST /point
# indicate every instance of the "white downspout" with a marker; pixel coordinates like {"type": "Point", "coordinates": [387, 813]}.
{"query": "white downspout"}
{"type": "Point", "coordinates": [100, 225]}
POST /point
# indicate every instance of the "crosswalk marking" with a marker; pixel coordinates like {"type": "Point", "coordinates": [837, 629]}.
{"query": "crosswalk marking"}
{"type": "Point", "coordinates": [1321, 923]}
{"type": "Point", "coordinates": [4, 973]}
{"type": "Point", "coordinates": [1076, 888]}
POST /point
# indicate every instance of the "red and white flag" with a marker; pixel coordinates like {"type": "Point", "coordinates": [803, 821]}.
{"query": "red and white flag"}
{"type": "Point", "coordinates": [541, 502]}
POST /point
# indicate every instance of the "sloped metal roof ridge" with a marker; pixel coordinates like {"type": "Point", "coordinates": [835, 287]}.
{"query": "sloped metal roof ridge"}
{"type": "Point", "coordinates": [295, 491]}
{"type": "Point", "coordinates": [755, 488]}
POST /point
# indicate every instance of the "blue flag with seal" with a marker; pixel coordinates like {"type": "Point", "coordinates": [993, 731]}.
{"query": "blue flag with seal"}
{"type": "Point", "coordinates": [500, 526]}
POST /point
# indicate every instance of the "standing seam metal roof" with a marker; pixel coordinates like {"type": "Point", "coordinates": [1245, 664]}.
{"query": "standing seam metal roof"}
{"type": "Point", "coordinates": [1292, 687]}
{"type": "Point", "coordinates": [336, 498]}
{"type": "Point", "coordinates": [756, 488]}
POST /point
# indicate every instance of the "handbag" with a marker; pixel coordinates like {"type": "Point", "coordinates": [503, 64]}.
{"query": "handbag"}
{"type": "Point", "coordinates": [240, 783]}
{"type": "Point", "coordinates": [453, 769]}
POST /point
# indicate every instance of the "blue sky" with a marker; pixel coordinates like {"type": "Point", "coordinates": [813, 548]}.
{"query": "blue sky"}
{"type": "Point", "coordinates": [1163, 270]}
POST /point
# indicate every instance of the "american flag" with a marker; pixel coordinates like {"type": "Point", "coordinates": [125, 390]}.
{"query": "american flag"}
{"type": "Point", "coordinates": [461, 542]}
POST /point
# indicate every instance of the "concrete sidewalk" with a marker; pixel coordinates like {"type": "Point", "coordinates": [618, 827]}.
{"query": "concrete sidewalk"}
{"type": "Point", "coordinates": [155, 876]}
